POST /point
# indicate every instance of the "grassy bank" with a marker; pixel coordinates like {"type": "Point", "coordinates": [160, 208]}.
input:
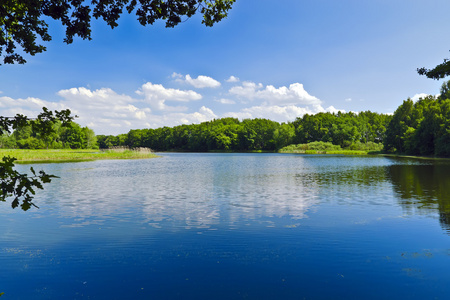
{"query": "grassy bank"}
{"type": "Point", "coordinates": [59, 155]}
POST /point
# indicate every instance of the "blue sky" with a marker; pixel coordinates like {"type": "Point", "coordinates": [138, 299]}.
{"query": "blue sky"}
{"type": "Point", "coordinates": [268, 59]}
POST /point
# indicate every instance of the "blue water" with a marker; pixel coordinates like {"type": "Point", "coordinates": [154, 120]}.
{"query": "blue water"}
{"type": "Point", "coordinates": [232, 226]}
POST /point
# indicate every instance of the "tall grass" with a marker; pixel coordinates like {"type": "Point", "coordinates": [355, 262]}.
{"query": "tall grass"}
{"type": "Point", "coordinates": [55, 155]}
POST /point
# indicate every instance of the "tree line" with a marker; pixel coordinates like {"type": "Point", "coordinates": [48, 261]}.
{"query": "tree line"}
{"type": "Point", "coordinates": [55, 135]}
{"type": "Point", "coordinates": [231, 134]}
{"type": "Point", "coordinates": [422, 127]}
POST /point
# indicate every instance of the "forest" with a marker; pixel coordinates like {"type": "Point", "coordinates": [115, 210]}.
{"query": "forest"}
{"type": "Point", "coordinates": [56, 136]}
{"type": "Point", "coordinates": [416, 128]}
{"type": "Point", "coordinates": [421, 127]}
{"type": "Point", "coordinates": [231, 134]}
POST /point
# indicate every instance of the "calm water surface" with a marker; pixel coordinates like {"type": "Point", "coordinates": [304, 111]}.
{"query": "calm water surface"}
{"type": "Point", "coordinates": [233, 226]}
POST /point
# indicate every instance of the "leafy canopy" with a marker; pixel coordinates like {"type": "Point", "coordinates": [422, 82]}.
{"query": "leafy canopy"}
{"type": "Point", "coordinates": [21, 186]}
{"type": "Point", "coordinates": [438, 72]}
{"type": "Point", "coordinates": [23, 26]}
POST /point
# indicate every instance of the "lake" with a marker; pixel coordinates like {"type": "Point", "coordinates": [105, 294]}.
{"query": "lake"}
{"type": "Point", "coordinates": [232, 226]}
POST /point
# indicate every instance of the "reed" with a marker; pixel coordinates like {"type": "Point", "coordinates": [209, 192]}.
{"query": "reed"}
{"type": "Point", "coordinates": [55, 155]}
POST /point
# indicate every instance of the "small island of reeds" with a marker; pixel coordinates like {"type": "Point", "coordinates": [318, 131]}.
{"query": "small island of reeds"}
{"type": "Point", "coordinates": [328, 148]}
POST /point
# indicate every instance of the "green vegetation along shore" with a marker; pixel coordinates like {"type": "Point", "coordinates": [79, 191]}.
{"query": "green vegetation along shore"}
{"type": "Point", "coordinates": [59, 155]}
{"type": "Point", "coordinates": [329, 148]}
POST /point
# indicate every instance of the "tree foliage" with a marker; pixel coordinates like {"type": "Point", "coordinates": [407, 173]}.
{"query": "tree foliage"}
{"type": "Point", "coordinates": [440, 71]}
{"type": "Point", "coordinates": [57, 136]}
{"type": "Point", "coordinates": [23, 22]}
{"type": "Point", "coordinates": [230, 134]}
{"type": "Point", "coordinates": [421, 128]}
{"type": "Point", "coordinates": [21, 186]}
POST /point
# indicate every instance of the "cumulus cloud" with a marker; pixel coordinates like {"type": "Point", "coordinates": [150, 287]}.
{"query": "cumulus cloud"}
{"type": "Point", "coordinates": [278, 113]}
{"type": "Point", "coordinates": [226, 101]}
{"type": "Point", "coordinates": [200, 82]}
{"type": "Point", "coordinates": [30, 106]}
{"type": "Point", "coordinates": [247, 90]}
{"type": "Point", "coordinates": [295, 94]}
{"type": "Point", "coordinates": [232, 79]}
{"type": "Point", "coordinates": [154, 105]}
{"type": "Point", "coordinates": [105, 110]}
{"type": "Point", "coordinates": [173, 119]}
{"type": "Point", "coordinates": [332, 109]}
{"type": "Point", "coordinates": [108, 112]}
{"type": "Point", "coordinates": [417, 97]}
{"type": "Point", "coordinates": [275, 113]}
{"type": "Point", "coordinates": [176, 75]}
{"type": "Point", "coordinates": [156, 95]}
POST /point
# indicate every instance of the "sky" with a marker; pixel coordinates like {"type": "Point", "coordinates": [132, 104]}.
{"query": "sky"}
{"type": "Point", "coordinates": [268, 59]}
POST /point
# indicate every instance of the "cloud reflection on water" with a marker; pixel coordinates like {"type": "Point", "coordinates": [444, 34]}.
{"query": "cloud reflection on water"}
{"type": "Point", "coordinates": [212, 191]}
{"type": "Point", "coordinates": [179, 192]}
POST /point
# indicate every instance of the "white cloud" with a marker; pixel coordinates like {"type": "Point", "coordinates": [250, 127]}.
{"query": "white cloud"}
{"type": "Point", "coordinates": [176, 75]}
{"type": "Point", "coordinates": [200, 82]}
{"type": "Point", "coordinates": [232, 79]}
{"type": "Point", "coordinates": [107, 112]}
{"type": "Point", "coordinates": [417, 97]}
{"type": "Point", "coordinates": [274, 113]}
{"type": "Point", "coordinates": [295, 94]}
{"type": "Point", "coordinates": [348, 100]}
{"type": "Point", "coordinates": [247, 90]}
{"type": "Point", "coordinates": [156, 95]}
{"type": "Point", "coordinates": [226, 101]}
{"type": "Point", "coordinates": [278, 113]}
{"type": "Point", "coordinates": [332, 109]}
{"type": "Point", "coordinates": [173, 119]}
{"type": "Point", "coordinates": [30, 106]}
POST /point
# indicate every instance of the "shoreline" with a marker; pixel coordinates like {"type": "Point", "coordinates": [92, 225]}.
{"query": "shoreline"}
{"type": "Point", "coordinates": [25, 156]}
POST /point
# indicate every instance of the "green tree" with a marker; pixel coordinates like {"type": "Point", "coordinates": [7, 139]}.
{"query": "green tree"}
{"type": "Point", "coordinates": [134, 138]}
{"type": "Point", "coordinates": [73, 136]}
{"type": "Point", "coordinates": [21, 187]}
{"type": "Point", "coordinates": [7, 141]}
{"type": "Point", "coordinates": [440, 71]}
{"type": "Point", "coordinates": [90, 141]}
{"type": "Point", "coordinates": [284, 135]}
{"type": "Point", "coordinates": [445, 90]}
{"type": "Point", "coordinates": [23, 22]}
{"type": "Point", "coordinates": [421, 128]}
{"type": "Point", "coordinates": [398, 127]}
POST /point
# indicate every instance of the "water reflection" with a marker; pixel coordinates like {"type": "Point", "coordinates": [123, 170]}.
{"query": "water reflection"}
{"type": "Point", "coordinates": [183, 192]}
{"type": "Point", "coordinates": [211, 191]}
{"type": "Point", "coordinates": [423, 187]}
{"type": "Point", "coordinates": [336, 221]}
{"type": "Point", "coordinates": [352, 185]}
